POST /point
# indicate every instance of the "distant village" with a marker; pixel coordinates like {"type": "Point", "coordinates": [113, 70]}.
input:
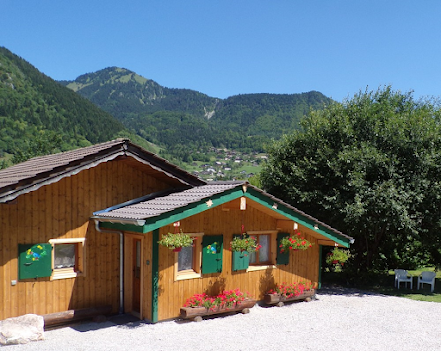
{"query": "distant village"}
{"type": "Point", "coordinates": [229, 165]}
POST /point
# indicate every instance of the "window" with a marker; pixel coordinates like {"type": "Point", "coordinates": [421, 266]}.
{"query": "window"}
{"type": "Point", "coordinates": [64, 256]}
{"type": "Point", "coordinates": [67, 258]}
{"type": "Point", "coordinates": [265, 256]}
{"type": "Point", "coordinates": [188, 260]}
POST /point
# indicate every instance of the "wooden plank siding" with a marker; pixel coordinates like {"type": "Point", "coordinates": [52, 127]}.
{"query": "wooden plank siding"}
{"type": "Point", "coordinates": [62, 210]}
{"type": "Point", "coordinates": [303, 265]}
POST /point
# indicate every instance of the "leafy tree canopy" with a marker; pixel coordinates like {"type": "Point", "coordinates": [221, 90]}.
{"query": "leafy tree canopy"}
{"type": "Point", "coordinates": [47, 142]}
{"type": "Point", "coordinates": [370, 167]}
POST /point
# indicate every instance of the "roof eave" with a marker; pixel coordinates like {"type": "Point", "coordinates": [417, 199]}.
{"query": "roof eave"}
{"type": "Point", "coordinates": [250, 192]}
{"type": "Point", "coordinates": [123, 148]}
{"type": "Point", "coordinates": [55, 176]}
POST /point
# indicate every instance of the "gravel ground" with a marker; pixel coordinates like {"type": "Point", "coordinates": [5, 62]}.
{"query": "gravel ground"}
{"type": "Point", "coordinates": [336, 320]}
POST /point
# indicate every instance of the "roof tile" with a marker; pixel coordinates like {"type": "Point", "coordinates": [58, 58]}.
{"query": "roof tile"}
{"type": "Point", "coordinates": [163, 204]}
{"type": "Point", "coordinates": [160, 205]}
{"type": "Point", "coordinates": [36, 172]}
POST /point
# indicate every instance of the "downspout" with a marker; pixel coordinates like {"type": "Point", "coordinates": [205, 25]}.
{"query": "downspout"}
{"type": "Point", "coordinates": [155, 274]}
{"type": "Point", "coordinates": [121, 262]}
{"type": "Point", "coordinates": [320, 267]}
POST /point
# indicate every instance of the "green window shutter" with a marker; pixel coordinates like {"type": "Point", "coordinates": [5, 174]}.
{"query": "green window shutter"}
{"type": "Point", "coordinates": [34, 261]}
{"type": "Point", "coordinates": [212, 251]}
{"type": "Point", "coordinates": [282, 258]}
{"type": "Point", "coordinates": [241, 260]}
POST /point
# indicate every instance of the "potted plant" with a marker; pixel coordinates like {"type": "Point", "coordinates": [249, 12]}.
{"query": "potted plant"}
{"type": "Point", "coordinates": [294, 242]}
{"type": "Point", "coordinates": [241, 246]}
{"type": "Point", "coordinates": [203, 305]}
{"type": "Point", "coordinates": [176, 241]}
{"type": "Point", "coordinates": [244, 242]}
{"type": "Point", "coordinates": [337, 257]}
{"type": "Point", "coordinates": [289, 292]}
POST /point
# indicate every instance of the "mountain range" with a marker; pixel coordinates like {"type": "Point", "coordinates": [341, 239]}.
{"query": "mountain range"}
{"type": "Point", "coordinates": [116, 102]}
{"type": "Point", "coordinates": [171, 117]}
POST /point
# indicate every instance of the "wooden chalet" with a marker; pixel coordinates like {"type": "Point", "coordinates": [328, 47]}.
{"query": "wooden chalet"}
{"type": "Point", "coordinates": [80, 229]}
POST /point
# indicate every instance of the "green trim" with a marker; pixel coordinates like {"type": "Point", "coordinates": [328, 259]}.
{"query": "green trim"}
{"type": "Point", "coordinates": [34, 261]}
{"type": "Point", "coordinates": [190, 210]}
{"type": "Point", "coordinates": [121, 227]}
{"type": "Point", "coordinates": [320, 267]}
{"type": "Point", "coordinates": [155, 274]}
{"type": "Point", "coordinates": [212, 253]}
{"type": "Point", "coordinates": [281, 258]}
{"type": "Point", "coordinates": [178, 214]}
{"type": "Point", "coordinates": [240, 260]}
{"type": "Point", "coordinates": [297, 217]}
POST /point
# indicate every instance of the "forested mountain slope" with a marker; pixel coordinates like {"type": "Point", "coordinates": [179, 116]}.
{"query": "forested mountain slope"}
{"type": "Point", "coordinates": [34, 106]}
{"type": "Point", "coordinates": [178, 118]}
{"type": "Point", "coordinates": [40, 115]}
{"type": "Point", "coordinates": [121, 92]}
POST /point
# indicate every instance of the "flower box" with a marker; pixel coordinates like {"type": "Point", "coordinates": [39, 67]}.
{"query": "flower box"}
{"type": "Point", "coordinates": [279, 300]}
{"type": "Point", "coordinates": [196, 313]}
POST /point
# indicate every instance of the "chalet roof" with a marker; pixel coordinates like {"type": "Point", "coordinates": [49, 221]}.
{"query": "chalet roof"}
{"type": "Point", "coordinates": [143, 208]}
{"type": "Point", "coordinates": [36, 172]}
{"type": "Point", "coordinates": [156, 210]}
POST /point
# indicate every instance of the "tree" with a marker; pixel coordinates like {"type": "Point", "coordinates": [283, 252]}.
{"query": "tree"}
{"type": "Point", "coordinates": [370, 167]}
{"type": "Point", "coordinates": [45, 143]}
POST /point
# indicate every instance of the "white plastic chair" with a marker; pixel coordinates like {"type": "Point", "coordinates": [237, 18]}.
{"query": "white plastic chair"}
{"type": "Point", "coordinates": [401, 275]}
{"type": "Point", "coordinates": [427, 278]}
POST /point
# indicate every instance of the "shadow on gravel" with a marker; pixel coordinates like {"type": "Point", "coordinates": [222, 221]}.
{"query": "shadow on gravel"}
{"type": "Point", "coordinates": [206, 318]}
{"type": "Point", "coordinates": [125, 321]}
{"type": "Point", "coordinates": [350, 292]}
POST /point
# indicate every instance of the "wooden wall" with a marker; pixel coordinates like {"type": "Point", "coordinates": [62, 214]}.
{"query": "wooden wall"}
{"type": "Point", "coordinates": [303, 265]}
{"type": "Point", "coordinates": [62, 210]}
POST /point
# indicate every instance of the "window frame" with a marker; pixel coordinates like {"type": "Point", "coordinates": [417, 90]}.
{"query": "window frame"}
{"type": "Point", "coordinates": [196, 271]}
{"type": "Point", "coordinates": [271, 254]}
{"type": "Point", "coordinates": [80, 259]}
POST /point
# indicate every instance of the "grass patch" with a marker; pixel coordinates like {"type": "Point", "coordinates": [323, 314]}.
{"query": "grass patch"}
{"type": "Point", "coordinates": [383, 283]}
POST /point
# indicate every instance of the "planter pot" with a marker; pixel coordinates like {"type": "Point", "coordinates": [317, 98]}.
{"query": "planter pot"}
{"type": "Point", "coordinates": [196, 313]}
{"type": "Point", "coordinates": [177, 249]}
{"type": "Point", "coordinates": [279, 300]}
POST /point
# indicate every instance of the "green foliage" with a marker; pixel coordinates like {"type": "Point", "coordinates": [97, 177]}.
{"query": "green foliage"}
{"type": "Point", "coordinates": [46, 142]}
{"type": "Point", "coordinates": [294, 242]}
{"type": "Point", "coordinates": [34, 108]}
{"type": "Point", "coordinates": [176, 240]}
{"type": "Point", "coordinates": [245, 242]}
{"type": "Point", "coordinates": [184, 122]}
{"type": "Point", "coordinates": [368, 166]}
{"type": "Point", "coordinates": [337, 256]}
{"type": "Point", "coordinates": [255, 180]}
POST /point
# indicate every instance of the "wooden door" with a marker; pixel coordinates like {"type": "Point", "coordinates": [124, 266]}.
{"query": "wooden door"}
{"type": "Point", "coordinates": [136, 279]}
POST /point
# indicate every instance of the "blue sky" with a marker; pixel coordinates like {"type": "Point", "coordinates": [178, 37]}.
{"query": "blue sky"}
{"type": "Point", "coordinates": [224, 48]}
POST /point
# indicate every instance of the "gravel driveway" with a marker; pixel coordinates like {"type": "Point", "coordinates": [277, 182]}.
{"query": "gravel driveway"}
{"type": "Point", "coordinates": [336, 320]}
